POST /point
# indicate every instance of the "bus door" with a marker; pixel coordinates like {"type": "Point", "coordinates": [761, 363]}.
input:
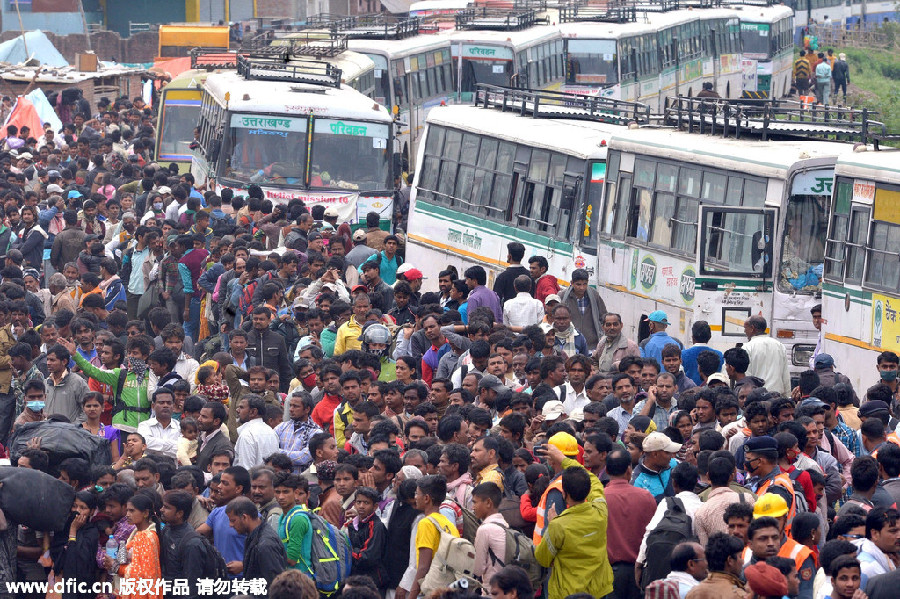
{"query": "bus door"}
{"type": "Point", "coordinates": [734, 270]}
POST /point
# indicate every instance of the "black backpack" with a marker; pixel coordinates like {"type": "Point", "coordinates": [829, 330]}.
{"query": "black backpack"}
{"type": "Point", "coordinates": [213, 563]}
{"type": "Point", "coordinates": [674, 528]}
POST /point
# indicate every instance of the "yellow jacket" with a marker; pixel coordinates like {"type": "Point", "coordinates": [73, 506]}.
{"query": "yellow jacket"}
{"type": "Point", "coordinates": [574, 546]}
{"type": "Point", "coordinates": [348, 337]}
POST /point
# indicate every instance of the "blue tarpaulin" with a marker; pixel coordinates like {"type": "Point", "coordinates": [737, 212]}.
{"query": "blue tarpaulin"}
{"type": "Point", "coordinates": [39, 47]}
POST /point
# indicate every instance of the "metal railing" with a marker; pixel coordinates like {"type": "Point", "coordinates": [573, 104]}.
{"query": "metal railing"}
{"type": "Point", "coordinates": [213, 58]}
{"type": "Point", "coordinates": [495, 19]}
{"type": "Point", "coordinates": [377, 26]}
{"type": "Point", "coordinates": [295, 71]}
{"type": "Point", "coordinates": [611, 12]}
{"type": "Point", "coordinates": [546, 104]}
{"type": "Point", "coordinates": [285, 44]}
{"type": "Point", "coordinates": [775, 119]}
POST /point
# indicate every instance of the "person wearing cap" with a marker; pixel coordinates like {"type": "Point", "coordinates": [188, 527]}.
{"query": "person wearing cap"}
{"type": "Point", "coordinates": [90, 224]}
{"type": "Point", "coordinates": [652, 346]}
{"type": "Point", "coordinates": [768, 360]}
{"type": "Point", "coordinates": [630, 511]}
{"type": "Point", "coordinates": [553, 411]}
{"type": "Point", "coordinates": [761, 466]}
{"type": "Point", "coordinates": [492, 390]}
{"type": "Point", "coordinates": [654, 471]}
{"type": "Point", "coordinates": [766, 581]}
{"type": "Point", "coordinates": [585, 306]}
{"type": "Point", "coordinates": [572, 510]}
{"type": "Point", "coordinates": [361, 251]}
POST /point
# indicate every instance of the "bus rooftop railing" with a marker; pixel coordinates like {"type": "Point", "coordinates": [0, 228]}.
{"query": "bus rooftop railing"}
{"type": "Point", "coordinates": [611, 12]}
{"type": "Point", "coordinates": [375, 26]}
{"type": "Point", "coordinates": [772, 118]}
{"type": "Point", "coordinates": [495, 19]}
{"type": "Point", "coordinates": [752, 2]}
{"type": "Point", "coordinates": [211, 59]}
{"type": "Point", "coordinates": [558, 105]}
{"type": "Point", "coordinates": [287, 43]}
{"type": "Point", "coordinates": [297, 71]}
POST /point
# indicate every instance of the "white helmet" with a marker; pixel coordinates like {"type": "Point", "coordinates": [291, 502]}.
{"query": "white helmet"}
{"type": "Point", "coordinates": [376, 333]}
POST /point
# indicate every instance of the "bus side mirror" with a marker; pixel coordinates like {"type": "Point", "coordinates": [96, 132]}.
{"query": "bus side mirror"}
{"type": "Point", "coordinates": [568, 199]}
{"type": "Point", "coordinates": [214, 147]}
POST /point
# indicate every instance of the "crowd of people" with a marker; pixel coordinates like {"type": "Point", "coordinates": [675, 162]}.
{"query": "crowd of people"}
{"type": "Point", "coordinates": [287, 410]}
{"type": "Point", "coordinates": [823, 72]}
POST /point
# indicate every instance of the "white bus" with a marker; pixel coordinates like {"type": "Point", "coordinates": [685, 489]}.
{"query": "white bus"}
{"type": "Point", "coordinates": [862, 264]}
{"type": "Point", "coordinates": [659, 55]}
{"type": "Point", "coordinates": [767, 46]}
{"type": "Point", "coordinates": [411, 76]}
{"type": "Point", "coordinates": [716, 229]}
{"type": "Point", "coordinates": [489, 177]}
{"type": "Point", "coordinates": [290, 129]}
{"type": "Point", "coordinates": [530, 58]}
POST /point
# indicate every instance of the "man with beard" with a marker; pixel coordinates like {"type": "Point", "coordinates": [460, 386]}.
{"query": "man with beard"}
{"type": "Point", "coordinates": [294, 434]}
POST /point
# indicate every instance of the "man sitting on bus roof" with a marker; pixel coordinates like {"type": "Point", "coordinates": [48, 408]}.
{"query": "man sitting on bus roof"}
{"type": "Point", "coordinates": [652, 346]}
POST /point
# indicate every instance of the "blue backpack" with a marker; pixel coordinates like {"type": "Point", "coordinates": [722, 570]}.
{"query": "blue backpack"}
{"type": "Point", "coordinates": [331, 555]}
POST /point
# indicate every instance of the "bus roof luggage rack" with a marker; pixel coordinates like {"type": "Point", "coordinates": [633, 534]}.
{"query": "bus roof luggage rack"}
{"type": "Point", "coordinates": [213, 58]}
{"type": "Point", "coordinates": [667, 5]}
{"type": "Point", "coordinates": [558, 105]}
{"type": "Point", "coordinates": [607, 12]}
{"type": "Point", "coordinates": [376, 26]}
{"type": "Point", "coordinates": [495, 19]}
{"type": "Point", "coordinates": [295, 71]}
{"type": "Point", "coordinates": [772, 118]}
{"type": "Point", "coordinates": [287, 44]}
{"type": "Point", "coordinates": [751, 2]}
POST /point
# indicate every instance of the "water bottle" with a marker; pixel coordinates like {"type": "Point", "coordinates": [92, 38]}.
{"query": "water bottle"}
{"type": "Point", "coordinates": [112, 549]}
{"type": "Point", "coordinates": [123, 553]}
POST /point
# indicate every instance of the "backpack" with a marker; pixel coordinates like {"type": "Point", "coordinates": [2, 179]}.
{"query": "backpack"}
{"type": "Point", "coordinates": [221, 226]}
{"type": "Point", "coordinates": [471, 522]}
{"type": "Point", "coordinates": [799, 495]}
{"type": "Point", "coordinates": [331, 555]}
{"type": "Point", "coordinates": [520, 552]}
{"type": "Point", "coordinates": [454, 559]}
{"type": "Point", "coordinates": [213, 563]}
{"type": "Point", "coordinates": [674, 528]}
{"type": "Point", "coordinates": [245, 304]}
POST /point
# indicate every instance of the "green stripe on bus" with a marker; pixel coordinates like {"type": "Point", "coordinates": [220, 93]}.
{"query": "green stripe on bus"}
{"type": "Point", "coordinates": [842, 291]}
{"type": "Point", "coordinates": [513, 233]}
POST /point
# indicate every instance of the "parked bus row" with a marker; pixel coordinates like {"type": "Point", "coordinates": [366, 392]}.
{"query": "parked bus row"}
{"type": "Point", "coordinates": [712, 229]}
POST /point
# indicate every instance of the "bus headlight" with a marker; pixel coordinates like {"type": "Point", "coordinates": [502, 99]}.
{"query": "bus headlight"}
{"type": "Point", "coordinates": [801, 354]}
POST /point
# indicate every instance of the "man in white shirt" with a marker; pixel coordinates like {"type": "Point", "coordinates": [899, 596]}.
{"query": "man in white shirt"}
{"type": "Point", "coordinates": [161, 433]}
{"type": "Point", "coordinates": [256, 439]}
{"type": "Point", "coordinates": [768, 359]}
{"type": "Point", "coordinates": [578, 367]}
{"type": "Point", "coordinates": [523, 310]}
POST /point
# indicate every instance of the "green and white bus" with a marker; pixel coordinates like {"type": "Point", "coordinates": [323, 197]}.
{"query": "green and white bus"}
{"type": "Point", "coordinates": [489, 177]}
{"type": "Point", "coordinates": [716, 229]}
{"type": "Point", "coordinates": [861, 298]}
{"type": "Point", "coordinates": [767, 47]}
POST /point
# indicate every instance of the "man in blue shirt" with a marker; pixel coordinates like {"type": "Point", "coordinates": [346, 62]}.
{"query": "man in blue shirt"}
{"type": "Point", "coordinates": [652, 346]}
{"type": "Point", "coordinates": [700, 336]}
{"type": "Point", "coordinates": [235, 482]}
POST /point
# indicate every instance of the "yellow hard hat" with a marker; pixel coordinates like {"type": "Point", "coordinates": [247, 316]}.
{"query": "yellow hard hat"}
{"type": "Point", "coordinates": [770, 504]}
{"type": "Point", "coordinates": [564, 442]}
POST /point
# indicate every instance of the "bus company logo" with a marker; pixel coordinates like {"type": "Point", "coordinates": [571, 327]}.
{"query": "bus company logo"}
{"type": "Point", "coordinates": [580, 262]}
{"type": "Point", "coordinates": [377, 204]}
{"type": "Point", "coordinates": [687, 284]}
{"type": "Point", "coordinates": [877, 322]}
{"type": "Point", "coordinates": [648, 273]}
{"type": "Point", "coordinates": [475, 51]}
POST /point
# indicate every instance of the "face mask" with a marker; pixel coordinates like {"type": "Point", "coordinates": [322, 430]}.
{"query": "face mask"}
{"type": "Point", "coordinates": [309, 380]}
{"type": "Point", "coordinates": [35, 406]}
{"type": "Point", "coordinates": [888, 375]}
{"type": "Point", "coordinates": [157, 205]}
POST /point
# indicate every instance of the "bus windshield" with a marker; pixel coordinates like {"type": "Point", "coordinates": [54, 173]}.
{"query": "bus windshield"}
{"type": "Point", "coordinates": [591, 62]}
{"type": "Point", "coordinates": [382, 80]}
{"type": "Point", "coordinates": [263, 148]}
{"type": "Point", "coordinates": [803, 250]}
{"type": "Point", "coordinates": [491, 72]}
{"type": "Point", "coordinates": [178, 123]}
{"type": "Point", "coordinates": [350, 155]}
{"type": "Point", "coordinates": [755, 40]}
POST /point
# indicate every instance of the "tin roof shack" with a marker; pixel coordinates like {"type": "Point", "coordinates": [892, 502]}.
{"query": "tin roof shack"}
{"type": "Point", "coordinates": [110, 80]}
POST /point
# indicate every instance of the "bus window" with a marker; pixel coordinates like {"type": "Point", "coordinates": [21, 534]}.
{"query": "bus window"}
{"type": "Point", "coordinates": [754, 193]}
{"type": "Point", "coordinates": [382, 79]}
{"type": "Point", "coordinates": [883, 268]}
{"type": "Point", "coordinates": [733, 194]}
{"type": "Point", "coordinates": [591, 62]}
{"type": "Point", "coordinates": [334, 140]}
{"type": "Point", "coordinates": [856, 246]}
{"type": "Point", "coordinates": [835, 250]}
{"type": "Point", "coordinates": [713, 188]}
{"type": "Point", "coordinates": [178, 122]}
{"type": "Point", "coordinates": [732, 242]}
{"type": "Point", "coordinates": [803, 250]}
{"type": "Point", "coordinates": [262, 151]}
